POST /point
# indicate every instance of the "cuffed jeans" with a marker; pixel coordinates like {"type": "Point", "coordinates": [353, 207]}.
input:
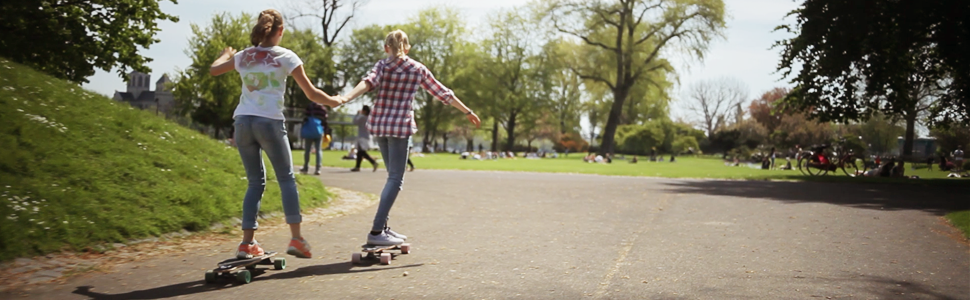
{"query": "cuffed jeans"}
{"type": "Point", "coordinates": [315, 144]}
{"type": "Point", "coordinates": [395, 153]}
{"type": "Point", "coordinates": [253, 136]}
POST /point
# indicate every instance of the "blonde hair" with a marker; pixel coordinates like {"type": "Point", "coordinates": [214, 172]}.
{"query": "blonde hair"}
{"type": "Point", "coordinates": [397, 41]}
{"type": "Point", "coordinates": [270, 23]}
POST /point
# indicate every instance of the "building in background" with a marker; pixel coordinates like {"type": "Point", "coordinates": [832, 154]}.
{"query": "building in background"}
{"type": "Point", "coordinates": [922, 147]}
{"type": "Point", "coordinates": [140, 95]}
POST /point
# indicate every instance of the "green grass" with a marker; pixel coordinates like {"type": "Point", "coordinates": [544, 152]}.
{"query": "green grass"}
{"type": "Point", "coordinates": [961, 220]}
{"type": "Point", "coordinates": [685, 167]}
{"type": "Point", "coordinates": [78, 169]}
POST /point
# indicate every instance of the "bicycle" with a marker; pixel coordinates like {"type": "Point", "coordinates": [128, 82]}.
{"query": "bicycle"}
{"type": "Point", "coordinates": [817, 162]}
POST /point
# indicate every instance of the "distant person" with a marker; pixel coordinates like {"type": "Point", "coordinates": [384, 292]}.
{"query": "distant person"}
{"type": "Point", "coordinates": [672, 158]}
{"type": "Point", "coordinates": [363, 139]}
{"type": "Point", "coordinates": [314, 129]}
{"type": "Point", "coordinates": [634, 160]}
{"type": "Point", "coordinates": [260, 124]}
{"type": "Point", "coordinates": [351, 155]}
{"type": "Point", "coordinates": [397, 79]}
{"type": "Point", "coordinates": [958, 159]}
{"type": "Point", "coordinates": [410, 147]}
{"type": "Point", "coordinates": [653, 154]}
{"type": "Point", "coordinates": [772, 155]}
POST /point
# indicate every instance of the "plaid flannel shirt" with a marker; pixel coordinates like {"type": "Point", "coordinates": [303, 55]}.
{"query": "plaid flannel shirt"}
{"type": "Point", "coordinates": [397, 82]}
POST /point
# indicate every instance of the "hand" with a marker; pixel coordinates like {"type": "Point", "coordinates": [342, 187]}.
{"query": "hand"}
{"type": "Point", "coordinates": [472, 117]}
{"type": "Point", "coordinates": [340, 99]}
{"type": "Point", "coordinates": [228, 51]}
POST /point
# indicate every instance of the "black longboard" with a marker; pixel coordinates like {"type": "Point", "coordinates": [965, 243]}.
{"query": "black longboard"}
{"type": "Point", "coordinates": [372, 252]}
{"type": "Point", "coordinates": [240, 269]}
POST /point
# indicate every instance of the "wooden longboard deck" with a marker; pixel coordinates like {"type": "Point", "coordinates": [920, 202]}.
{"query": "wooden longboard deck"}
{"type": "Point", "coordinates": [230, 265]}
{"type": "Point", "coordinates": [376, 248]}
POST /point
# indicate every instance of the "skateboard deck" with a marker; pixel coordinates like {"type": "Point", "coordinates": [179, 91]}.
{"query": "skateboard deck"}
{"type": "Point", "coordinates": [241, 269]}
{"type": "Point", "coordinates": [369, 251]}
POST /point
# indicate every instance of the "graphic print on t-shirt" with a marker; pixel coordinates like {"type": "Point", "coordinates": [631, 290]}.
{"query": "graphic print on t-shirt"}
{"type": "Point", "coordinates": [255, 81]}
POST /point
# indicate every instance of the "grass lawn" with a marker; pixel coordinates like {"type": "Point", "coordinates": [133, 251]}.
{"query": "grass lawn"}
{"type": "Point", "coordinates": [961, 220]}
{"type": "Point", "coordinates": [684, 167]}
{"type": "Point", "coordinates": [78, 169]}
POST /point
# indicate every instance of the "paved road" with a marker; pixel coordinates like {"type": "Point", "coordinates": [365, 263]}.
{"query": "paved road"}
{"type": "Point", "coordinates": [489, 235]}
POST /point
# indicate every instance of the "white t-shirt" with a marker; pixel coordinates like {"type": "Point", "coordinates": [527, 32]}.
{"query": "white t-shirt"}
{"type": "Point", "coordinates": [957, 155]}
{"type": "Point", "coordinates": [263, 71]}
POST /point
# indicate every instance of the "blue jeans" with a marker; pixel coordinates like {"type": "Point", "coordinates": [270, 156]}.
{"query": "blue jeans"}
{"type": "Point", "coordinates": [315, 144]}
{"type": "Point", "coordinates": [395, 153]}
{"type": "Point", "coordinates": [253, 136]}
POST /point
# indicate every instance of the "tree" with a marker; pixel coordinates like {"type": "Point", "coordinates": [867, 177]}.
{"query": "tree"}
{"type": "Point", "coordinates": [879, 133]}
{"type": "Point", "coordinates": [634, 33]}
{"type": "Point", "coordinates": [514, 69]}
{"type": "Point", "coordinates": [948, 138]}
{"type": "Point", "coordinates": [333, 15]}
{"type": "Point", "coordinates": [857, 58]}
{"type": "Point", "coordinates": [764, 111]}
{"type": "Point", "coordinates": [712, 100]}
{"type": "Point", "coordinates": [359, 54]}
{"type": "Point", "coordinates": [211, 100]}
{"type": "Point", "coordinates": [317, 63]}
{"type": "Point", "coordinates": [69, 39]}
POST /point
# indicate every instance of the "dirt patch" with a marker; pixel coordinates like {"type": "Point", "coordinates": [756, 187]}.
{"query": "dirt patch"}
{"type": "Point", "coordinates": [22, 273]}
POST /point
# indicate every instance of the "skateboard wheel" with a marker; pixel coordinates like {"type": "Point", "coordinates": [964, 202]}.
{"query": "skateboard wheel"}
{"type": "Point", "coordinates": [405, 248]}
{"type": "Point", "coordinates": [355, 258]}
{"type": "Point", "coordinates": [244, 276]}
{"type": "Point", "coordinates": [210, 276]}
{"type": "Point", "coordinates": [279, 263]}
{"type": "Point", "coordinates": [385, 258]}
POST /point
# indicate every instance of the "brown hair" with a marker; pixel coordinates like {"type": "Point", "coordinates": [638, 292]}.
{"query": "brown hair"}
{"type": "Point", "coordinates": [398, 42]}
{"type": "Point", "coordinates": [270, 23]}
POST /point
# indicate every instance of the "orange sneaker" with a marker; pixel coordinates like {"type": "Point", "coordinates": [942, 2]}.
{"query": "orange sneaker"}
{"type": "Point", "coordinates": [299, 248]}
{"type": "Point", "coordinates": [249, 250]}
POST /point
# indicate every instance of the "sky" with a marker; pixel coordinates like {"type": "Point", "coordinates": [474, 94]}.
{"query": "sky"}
{"type": "Point", "coordinates": [745, 53]}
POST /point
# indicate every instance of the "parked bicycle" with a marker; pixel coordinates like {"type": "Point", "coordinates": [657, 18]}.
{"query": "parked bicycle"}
{"type": "Point", "coordinates": [817, 162]}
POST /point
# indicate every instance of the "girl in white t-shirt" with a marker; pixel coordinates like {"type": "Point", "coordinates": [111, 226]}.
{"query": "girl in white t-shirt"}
{"type": "Point", "coordinates": [259, 124]}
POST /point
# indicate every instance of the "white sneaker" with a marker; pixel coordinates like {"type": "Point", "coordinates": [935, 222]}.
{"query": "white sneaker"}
{"type": "Point", "coordinates": [395, 234]}
{"type": "Point", "coordinates": [383, 239]}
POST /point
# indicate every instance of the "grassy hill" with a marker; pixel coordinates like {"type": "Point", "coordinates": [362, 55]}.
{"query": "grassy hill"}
{"type": "Point", "coordinates": [78, 169]}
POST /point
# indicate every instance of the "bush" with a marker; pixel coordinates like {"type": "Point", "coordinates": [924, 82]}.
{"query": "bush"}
{"type": "Point", "coordinates": [682, 143]}
{"type": "Point", "coordinates": [639, 139]}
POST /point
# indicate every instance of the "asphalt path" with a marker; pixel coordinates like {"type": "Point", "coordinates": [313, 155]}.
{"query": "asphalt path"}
{"type": "Point", "coordinates": [500, 235]}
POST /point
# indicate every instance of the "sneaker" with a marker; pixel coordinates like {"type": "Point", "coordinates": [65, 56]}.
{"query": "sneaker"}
{"type": "Point", "coordinates": [303, 171]}
{"type": "Point", "coordinates": [383, 239]}
{"type": "Point", "coordinates": [375, 166]}
{"type": "Point", "coordinates": [317, 172]}
{"type": "Point", "coordinates": [355, 170]}
{"type": "Point", "coordinates": [249, 250]}
{"type": "Point", "coordinates": [395, 234]}
{"type": "Point", "coordinates": [299, 248]}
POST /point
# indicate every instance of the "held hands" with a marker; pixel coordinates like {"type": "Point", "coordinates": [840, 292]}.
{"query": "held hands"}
{"type": "Point", "coordinates": [472, 117]}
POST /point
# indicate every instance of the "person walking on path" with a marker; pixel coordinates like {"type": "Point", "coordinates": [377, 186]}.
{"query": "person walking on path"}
{"type": "Point", "coordinates": [410, 146]}
{"type": "Point", "coordinates": [363, 139]}
{"type": "Point", "coordinates": [259, 124]}
{"type": "Point", "coordinates": [396, 80]}
{"type": "Point", "coordinates": [318, 112]}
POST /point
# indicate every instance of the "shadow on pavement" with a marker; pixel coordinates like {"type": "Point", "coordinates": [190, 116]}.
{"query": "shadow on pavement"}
{"type": "Point", "coordinates": [199, 286]}
{"type": "Point", "coordinates": [175, 290]}
{"type": "Point", "coordinates": [332, 269]}
{"type": "Point", "coordinates": [934, 199]}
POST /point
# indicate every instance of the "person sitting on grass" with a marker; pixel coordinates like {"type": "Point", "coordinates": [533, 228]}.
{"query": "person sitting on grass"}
{"type": "Point", "coordinates": [634, 160]}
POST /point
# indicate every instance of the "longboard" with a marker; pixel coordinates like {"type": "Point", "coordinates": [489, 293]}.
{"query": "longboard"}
{"type": "Point", "coordinates": [369, 251]}
{"type": "Point", "coordinates": [240, 269]}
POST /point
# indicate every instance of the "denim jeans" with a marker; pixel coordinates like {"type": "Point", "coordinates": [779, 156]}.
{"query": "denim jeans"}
{"type": "Point", "coordinates": [395, 153]}
{"type": "Point", "coordinates": [254, 135]}
{"type": "Point", "coordinates": [307, 144]}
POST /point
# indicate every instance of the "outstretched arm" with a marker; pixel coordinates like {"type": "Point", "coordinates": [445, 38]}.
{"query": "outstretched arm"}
{"type": "Point", "coordinates": [472, 117]}
{"type": "Point", "coordinates": [224, 63]}
{"type": "Point", "coordinates": [312, 92]}
{"type": "Point", "coordinates": [358, 90]}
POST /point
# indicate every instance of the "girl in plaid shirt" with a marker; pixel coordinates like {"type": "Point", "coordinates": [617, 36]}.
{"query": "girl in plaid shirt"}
{"type": "Point", "coordinates": [397, 79]}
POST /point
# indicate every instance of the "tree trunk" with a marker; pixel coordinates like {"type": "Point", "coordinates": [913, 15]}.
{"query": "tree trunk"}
{"type": "Point", "coordinates": [529, 145]}
{"type": "Point", "coordinates": [510, 131]}
{"type": "Point", "coordinates": [909, 137]}
{"type": "Point", "coordinates": [470, 146]}
{"type": "Point", "coordinates": [444, 143]}
{"type": "Point", "coordinates": [494, 136]}
{"type": "Point", "coordinates": [619, 96]}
